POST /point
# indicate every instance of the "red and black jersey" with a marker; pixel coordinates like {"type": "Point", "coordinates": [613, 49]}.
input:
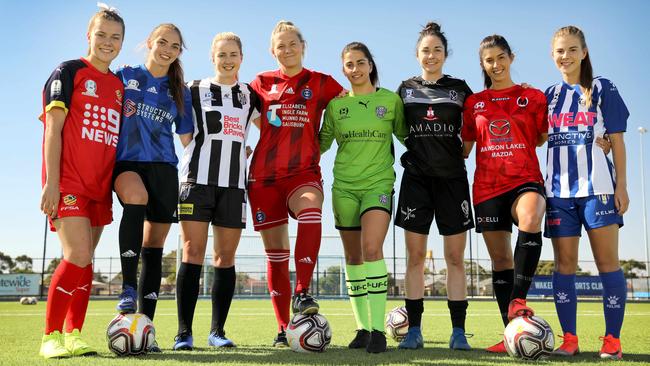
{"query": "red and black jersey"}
{"type": "Point", "coordinates": [506, 125]}
{"type": "Point", "coordinates": [291, 109]}
{"type": "Point", "coordinates": [92, 101]}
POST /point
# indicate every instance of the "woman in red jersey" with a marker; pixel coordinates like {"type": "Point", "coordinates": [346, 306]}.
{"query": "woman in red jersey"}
{"type": "Point", "coordinates": [507, 122]}
{"type": "Point", "coordinates": [284, 177]}
{"type": "Point", "coordinates": [82, 101]}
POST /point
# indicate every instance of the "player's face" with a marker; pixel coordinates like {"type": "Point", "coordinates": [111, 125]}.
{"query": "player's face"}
{"type": "Point", "coordinates": [431, 54]}
{"type": "Point", "coordinates": [104, 41]}
{"type": "Point", "coordinates": [567, 54]}
{"type": "Point", "coordinates": [164, 47]}
{"type": "Point", "coordinates": [496, 63]}
{"type": "Point", "coordinates": [356, 67]}
{"type": "Point", "coordinates": [227, 58]}
{"type": "Point", "coordinates": [288, 49]}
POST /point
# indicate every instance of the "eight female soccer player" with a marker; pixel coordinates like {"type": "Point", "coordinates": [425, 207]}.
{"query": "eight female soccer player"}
{"type": "Point", "coordinates": [82, 102]}
{"type": "Point", "coordinates": [363, 124]}
{"type": "Point", "coordinates": [583, 187]}
{"type": "Point", "coordinates": [213, 178]}
{"type": "Point", "coordinates": [507, 122]}
{"type": "Point", "coordinates": [434, 183]}
{"type": "Point", "coordinates": [284, 176]}
{"type": "Point", "coordinates": [145, 176]}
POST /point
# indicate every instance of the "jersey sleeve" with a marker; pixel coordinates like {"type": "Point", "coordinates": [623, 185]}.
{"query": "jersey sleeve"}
{"type": "Point", "coordinates": [399, 123]}
{"type": "Point", "coordinates": [541, 116]}
{"type": "Point", "coordinates": [468, 132]}
{"type": "Point", "coordinates": [331, 88]}
{"type": "Point", "coordinates": [256, 84]}
{"type": "Point", "coordinates": [326, 134]}
{"type": "Point", "coordinates": [614, 110]}
{"type": "Point", "coordinates": [58, 89]}
{"type": "Point", "coordinates": [184, 122]}
{"type": "Point", "coordinates": [256, 104]}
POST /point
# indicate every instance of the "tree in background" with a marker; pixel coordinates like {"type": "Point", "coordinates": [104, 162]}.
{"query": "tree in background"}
{"type": "Point", "coordinates": [6, 263]}
{"type": "Point", "coordinates": [546, 268]}
{"type": "Point", "coordinates": [241, 283]}
{"type": "Point", "coordinates": [330, 283]}
{"type": "Point", "coordinates": [23, 264]}
{"type": "Point", "coordinates": [632, 268]}
{"type": "Point", "coordinates": [50, 270]}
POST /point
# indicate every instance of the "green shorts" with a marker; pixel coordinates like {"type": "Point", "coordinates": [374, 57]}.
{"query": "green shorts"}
{"type": "Point", "coordinates": [350, 205]}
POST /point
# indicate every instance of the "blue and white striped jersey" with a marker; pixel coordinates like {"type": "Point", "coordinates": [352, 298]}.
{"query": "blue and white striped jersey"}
{"type": "Point", "coordinates": [576, 166]}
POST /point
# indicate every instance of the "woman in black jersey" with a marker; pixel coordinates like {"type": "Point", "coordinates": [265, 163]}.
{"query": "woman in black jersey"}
{"type": "Point", "coordinates": [434, 183]}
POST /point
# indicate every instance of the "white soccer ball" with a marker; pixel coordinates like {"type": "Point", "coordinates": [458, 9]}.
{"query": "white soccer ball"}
{"type": "Point", "coordinates": [397, 323]}
{"type": "Point", "coordinates": [309, 333]}
{"type": "Point", "coordinates": [28, 301]}
{"type": "Point", "coordinates": [130, 334]}
{"type": "Point", "coordinates": [529, 338]}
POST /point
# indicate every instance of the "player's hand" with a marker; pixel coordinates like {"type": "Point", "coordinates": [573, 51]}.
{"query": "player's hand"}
{"type": "Point", "coordinates": [50, 199]}
{"type": "Point", "coordinates": [343, 93]}
{"type": "Point", "coordinates": [526, 85]}
{"type": "Point", "coordinates": [249, 151]}
{"type": "Point", "coordinates": [604, 143]}
{"type": "Point", "coordinates": [621, 199]}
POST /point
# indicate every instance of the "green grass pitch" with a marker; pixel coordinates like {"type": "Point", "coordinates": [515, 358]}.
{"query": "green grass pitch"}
{"type": "Point", "coordinates": [251, 325]}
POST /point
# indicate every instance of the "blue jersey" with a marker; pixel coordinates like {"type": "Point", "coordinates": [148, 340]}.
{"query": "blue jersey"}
{"type": "Point", "coordinates": [576, 166]}
{"type": "Point", "coordinates": [147, 117]}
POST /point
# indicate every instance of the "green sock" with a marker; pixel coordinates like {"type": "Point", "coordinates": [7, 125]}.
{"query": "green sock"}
{"type": "Point", "coordinates": [377, 280]}
{"type": "Point", "coordinates": [355, 280]}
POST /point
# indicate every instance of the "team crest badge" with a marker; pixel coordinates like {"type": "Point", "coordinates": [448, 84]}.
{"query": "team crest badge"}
{"type": "Point", "coordinates": [243, 100]}
{"type": "Point", "coordinates": [383, 199]}
{"type": "Point", "coordinates": [55, 88]}
{"type": "Point", "coordinates": [260, 217]}
{"type": "Point", "coordinates": [380, 111]}
{"type": "Point", "coordinates": [185, 191]}
{"type": "Point", "coordinates": [133, 84]}
{"type": "Point", "coordinates": [70, 200]}
{"type": "Point", "coordinates": [453, 95]}
{"type": "Point", "coordinates": [343, 112]}
{"type": "Point", "coordinates": [431, 115]}
{"type": "Point", "coordinates": [603, 198]}
{"type": "Point", "coordinates": [465, 207]}
{"type": "Point", "coordinates": [91, 88]}
{"type": "Point", "coordinates": [306, 93]}
{"type": "Point", "coordinates": [522, 101]}
{"type": "Point", "coordinates": [409, 93]}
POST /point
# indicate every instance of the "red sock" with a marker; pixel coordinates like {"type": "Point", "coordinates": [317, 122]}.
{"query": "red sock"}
{"type": "Point", "coordinates": [277, 270]}
{"type": "Point", "coordinates": [307, 246]}
{"type": "Point", "coordinates": [62, 287]}
{"type": "Point", "coordinates": [79, 304]}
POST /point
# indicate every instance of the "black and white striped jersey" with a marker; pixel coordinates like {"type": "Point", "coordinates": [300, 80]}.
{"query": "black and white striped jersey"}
{"type": "Point", "coordinates": [222, 115]}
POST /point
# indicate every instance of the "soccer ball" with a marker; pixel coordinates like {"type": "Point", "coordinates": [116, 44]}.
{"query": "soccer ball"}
{"type": "Point", "coordinates": [529, 338]}
{"type": "Point", "coordinates": [130, 334]}
{"type": "Point", "coordinates": [28, 301]}
{"type": "Point", "coordinates": [397, 323]}
{"type": "Point", "coordinates": [309, 333]}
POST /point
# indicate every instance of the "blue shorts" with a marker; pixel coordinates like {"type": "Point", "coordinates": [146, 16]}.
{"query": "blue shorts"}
{"type": "Point", "coordinates": [566, 216]}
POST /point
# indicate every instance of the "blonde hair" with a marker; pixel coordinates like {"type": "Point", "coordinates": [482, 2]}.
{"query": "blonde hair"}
{"type": "Point", "coordinates": [286, 26]}
{"type": "Point", "coordinates": [105, 15]}
{"type": "Point", "coordinates": [586, 70]}
{"type": "Point", "coordinates": [225, 36]}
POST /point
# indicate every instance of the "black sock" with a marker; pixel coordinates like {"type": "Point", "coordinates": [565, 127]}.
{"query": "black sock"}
{"type": "Point", "coordinates": [130, 238]}
{"type": "Point", "coordinates": [527, 252]}
{"type": "Point", "coordinates": [187, 292]}
{"type": "Point", "coordinates": [150, 275]}
{"type": "Point", "coordinates": [223, 289]}
{"type": "Point", "coordinates": [502, 285]}
{"type": "Point", "coordinates": [458, 312]}
{"type": "Point", "coordinates": [414, 308]}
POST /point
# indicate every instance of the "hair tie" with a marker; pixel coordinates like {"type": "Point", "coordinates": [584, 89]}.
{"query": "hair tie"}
{"type": "Point", "coordinates": [108, 8]}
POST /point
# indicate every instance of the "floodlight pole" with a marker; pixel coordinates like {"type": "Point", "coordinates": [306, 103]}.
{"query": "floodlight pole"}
{"type": "Point", "coordinates": [642, 131]}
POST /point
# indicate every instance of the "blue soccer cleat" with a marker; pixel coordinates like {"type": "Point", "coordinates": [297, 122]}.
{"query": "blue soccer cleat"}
{"type": "Point", "coordinates": [458, 340]}
{"type": "Point", "coordinates": [216, 340]}
{"type": "Point", "coordinates": [183, 342]}
{"type": "Point", "coordinates": [127, 303]}
{"type": "Point", "coordinates": [413, 339]}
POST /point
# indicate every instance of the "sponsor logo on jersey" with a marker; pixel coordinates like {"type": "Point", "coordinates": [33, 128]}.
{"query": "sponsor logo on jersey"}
{"type": "Point", "coordinates": [132, 84]}
{"type": "Point", "coordinates": [272, 115]}
{"type": "Point", "coordinates": [55, 88]}
{"type": "Point", "coordinates": [383, 199]}
{"type": "Point", "coordinates": [307, 93]}
{"type": "Point", "coordinates": [185, 208]}
{"type": "Point", "coordinates": [232, 127]}
{"type": "Point", "coordinates": [364, 104]}
{"type": "Point", "coordinates": [571, 119]}
{"type": "Point", "coordinates": [409, 213]}
{"type": "Point", "coordinates": [91, 88]}
{"type": "Point", "coordinates": [499, 128]}
{"type": "Point", "coordinates": [479, 107]}
{"type": "Point", "coordinates": [69, 200]}
{"type": "Point", "coordinates": [129, 108]}
{"type": "Point", "coordinates": [380, 111]}
{"type": "Point", "coordinates": [522, 102]}
{"type": "Point", "coordinates": [152, 90]}
{"type": "Point", "coordinates": [260, 216]}
{"type": "Point", "coordinates": [487, 219]}
{"type": "Point", "coordinates": [69, 293]}
{"type": "Point", "coordinates": [431, 115]}
{"type": "Point", "coordinates": [227, 96]}
{"type": "Point", "coordinates": [100, 124]}
{"type": "Point", "coordinates": [500, 99]}
{"type": "Point", "coordinates": [453, 95]}
{"type": "Point", "coordinates": [409, 93]}
{"type": "Point", "coordinates": [290, 91]}
{"type": "Point", "coordinates": [274, 89]}
{"type": "Point", "coordinates": [554, 222]}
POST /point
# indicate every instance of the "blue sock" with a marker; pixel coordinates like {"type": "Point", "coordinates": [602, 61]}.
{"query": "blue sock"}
{"type": "Point", "coordinates": [566, 300]}
{"type": "Point", "coordinates": [614, 296]}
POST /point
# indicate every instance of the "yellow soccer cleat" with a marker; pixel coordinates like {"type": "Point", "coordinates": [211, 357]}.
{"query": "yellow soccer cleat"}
{"type": "Point", "coordinates": [52, 346]}
{"type": "Point", "coordinates": [77, 346]}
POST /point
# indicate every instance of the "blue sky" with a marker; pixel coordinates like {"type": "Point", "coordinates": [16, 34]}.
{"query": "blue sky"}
{"type": "Point", "coordinates": [39, 35]}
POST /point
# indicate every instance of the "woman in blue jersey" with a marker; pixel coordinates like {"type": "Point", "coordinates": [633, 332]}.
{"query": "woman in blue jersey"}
{"type": "Point", "coordinates": [145, 176]}
{"type": "Point", "coordinates": [434, 183]}
{"type": "Point", "coordinates": [583, 187]}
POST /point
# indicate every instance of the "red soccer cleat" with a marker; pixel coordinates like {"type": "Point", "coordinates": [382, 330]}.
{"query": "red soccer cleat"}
{"type": "Point", "coordinates": [497, 348]}
{"type": "Point", "coordinates": [569, 345]}
{"type": "Point", "coordinates": [611, 348]}
{"type": "Point", "coordinates": [518, 308]}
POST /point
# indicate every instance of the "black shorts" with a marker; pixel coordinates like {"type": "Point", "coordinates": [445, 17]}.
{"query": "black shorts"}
{"type": "Point", "coordinates": [220, 206]}
{"type": "Point", "coordinates": [495, 214]}
{"type": "Point", "coordinates": [161, 182]}
{"type": "Point", "coordinates": [422, 198]}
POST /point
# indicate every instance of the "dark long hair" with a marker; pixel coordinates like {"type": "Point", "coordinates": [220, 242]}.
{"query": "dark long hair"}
{"type": "Point", "coordinates": [432, 29]}
{"type": "Point", "coordinates": [586, 70]}
{"type": "Point", "coordinates": [494, 40]}
{"type": "Point", "coordinates": [175, 73]}
{"type": "Point", "coordinates": [358, 46]}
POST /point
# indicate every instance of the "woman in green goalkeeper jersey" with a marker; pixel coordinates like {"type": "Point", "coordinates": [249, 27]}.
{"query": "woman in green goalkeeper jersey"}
{"type": "Point", "coordinates": [363, 124]}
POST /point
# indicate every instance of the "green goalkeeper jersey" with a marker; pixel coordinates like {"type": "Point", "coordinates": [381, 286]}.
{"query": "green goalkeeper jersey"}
{"type": "Point", "coordinates": [363, 127]}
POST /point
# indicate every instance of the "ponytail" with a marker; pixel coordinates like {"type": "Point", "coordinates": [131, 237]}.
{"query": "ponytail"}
{"type": "Point", "coordinates": [586, 70]}
{"type": "Point", "coordinates": [175, 72]}
{"type": "Point", "coordinates": [494, 40]}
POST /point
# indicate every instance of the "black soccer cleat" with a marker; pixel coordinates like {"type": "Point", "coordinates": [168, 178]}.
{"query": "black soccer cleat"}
{"type": "Point", "coordinates": [304, 304]}
{"type": "Point", "coordinates": [361, 339]}
{"type": "Point", "coordinates": [280, 340]}
{"type": "Point", "coordinates": [377, 342]}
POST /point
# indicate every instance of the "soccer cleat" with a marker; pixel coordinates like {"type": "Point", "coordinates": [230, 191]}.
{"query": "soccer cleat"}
{"type": "Point", "coordinates": [127, 303]}
{"type": "Point", "coordinates": [458, 340]}
{"type": "Point", "coordinates": [280, 340]}
{"type": "Point", "coordinates": [569, 345]}
{"type": "Point", "coordinates": [360, 340]}
{"type": "Point", "coordinates": [413, 339]}
{"type": "Point", "coordinates": [304, 304]}
{"type": "Point", "coordinates": [518, 308]}
{"type": "Point", "coordinates": [183, 342]}
{"type": "Point", "coordinates": [497, 348]}
{"type": "Point", "coordinates": [377, 342]}
{"type": "Point", "coordinates": [53, 346]}
{"type": "Point", "coordinates": [154, 348]}
{"type": "Point", "coordinates": [77, 346]}
{"type": "Point", "coordinates": [611, 348]}
{"type": "Point", "coordinates": [216, 340]}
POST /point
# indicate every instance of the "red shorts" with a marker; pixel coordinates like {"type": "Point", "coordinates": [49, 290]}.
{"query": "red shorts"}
{"type": "Point", "coordinates": [270, 202]}
{"type": "Point", "coordinates": [72, 205]}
